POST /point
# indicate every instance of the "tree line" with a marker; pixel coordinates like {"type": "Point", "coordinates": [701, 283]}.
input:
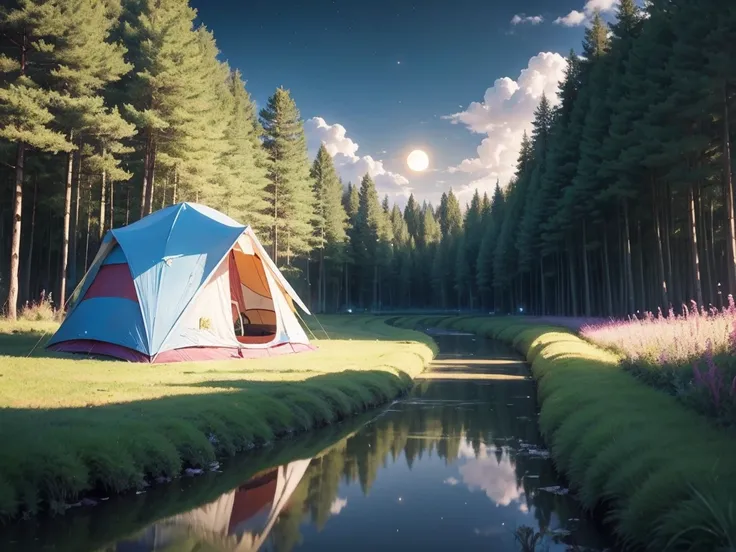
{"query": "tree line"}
{"type": "Point", "coordinates": [622, 199]}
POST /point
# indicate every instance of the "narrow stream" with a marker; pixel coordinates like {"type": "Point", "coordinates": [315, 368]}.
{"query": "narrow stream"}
{"type": "Point", "coordinates": [458, 463]}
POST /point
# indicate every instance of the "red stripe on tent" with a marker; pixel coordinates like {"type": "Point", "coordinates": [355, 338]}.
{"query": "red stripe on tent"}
{"type": "Point", "coordinates": [113, 280]}
{"type": "Point", "coordinates": [91, 347]}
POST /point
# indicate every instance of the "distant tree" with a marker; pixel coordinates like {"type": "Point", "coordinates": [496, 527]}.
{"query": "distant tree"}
{"type": "Point", "coordinates": [244, 161]}
{"type": "Point", "coordinates": [290, 192]}
{"type": "Point", "coordinates": [331, 219]}
{"type": "Point", "coordinates": [369, 228]}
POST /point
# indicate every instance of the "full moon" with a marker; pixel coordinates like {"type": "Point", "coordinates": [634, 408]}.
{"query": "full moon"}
{"type": "Point", "coordinates": [418, 161]}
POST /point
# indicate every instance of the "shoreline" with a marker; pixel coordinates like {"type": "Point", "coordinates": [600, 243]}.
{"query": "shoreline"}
{"type": "Point", "coordinates": [70, 443]}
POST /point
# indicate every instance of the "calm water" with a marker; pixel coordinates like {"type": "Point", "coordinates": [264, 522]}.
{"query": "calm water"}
{"type": "Point", "coordinates": [458, 463]}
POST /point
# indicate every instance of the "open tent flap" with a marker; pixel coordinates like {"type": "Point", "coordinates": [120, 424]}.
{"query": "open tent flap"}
{"type": "Point", "coordinates": [275, 272]}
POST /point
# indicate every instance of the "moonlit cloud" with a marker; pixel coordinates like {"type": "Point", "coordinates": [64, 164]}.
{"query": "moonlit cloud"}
{"type": "Point", "coordinates": [506, 111]}
{"type": "Point", "coordinates": [350, 166]}
{"type": "Point", "coordinates": [520, 19]}
{"type": "Point", "coordinates": [576, 18]}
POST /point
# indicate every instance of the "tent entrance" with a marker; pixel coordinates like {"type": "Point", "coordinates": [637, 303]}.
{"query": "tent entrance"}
{"type": "Point", "coordinates": [253, 309]}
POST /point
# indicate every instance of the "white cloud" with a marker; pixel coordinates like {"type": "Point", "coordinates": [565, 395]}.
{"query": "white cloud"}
{"type": "Point", "coordinates": [520, 19]}
{"type": "Point", "coordinates": [350, 166]}
{"type": "Point", "coordinates": [337, 505]}
{"type": "Point", "coordinates": [496, 479]}
{"type": "Point", "coordinates": [333, 136]}
{"type": "Point", "coordinates": [451, 481]}
{"type": "Point", "coordinates": [576, 18]}
{"type": "Point", "coordinates": [572, 19]}
{"type": "Point", "coordinates": [506, 111]}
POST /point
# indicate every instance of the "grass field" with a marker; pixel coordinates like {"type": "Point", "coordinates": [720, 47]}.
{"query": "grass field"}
{"type": "Point", "coordinates": [665, 476]}
{"type": "Point", "coordinates": [71, 426]}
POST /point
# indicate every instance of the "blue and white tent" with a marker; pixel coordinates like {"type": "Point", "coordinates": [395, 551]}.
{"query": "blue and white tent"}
{"type": "Point", "coordinates": [184, 283]}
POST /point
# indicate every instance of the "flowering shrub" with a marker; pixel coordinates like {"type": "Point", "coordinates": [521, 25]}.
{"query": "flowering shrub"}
{"type": "Point", "coordinates": [690, 355]}
{"type": "Point", "coordinates": [672, 339]}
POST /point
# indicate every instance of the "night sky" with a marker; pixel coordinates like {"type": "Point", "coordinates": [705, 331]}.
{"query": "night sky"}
{"type": "Point", "coordinates": [400, 75]}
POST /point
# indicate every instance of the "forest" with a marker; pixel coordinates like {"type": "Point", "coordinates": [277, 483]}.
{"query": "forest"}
{"type": "Point", "coordinates": [622, 200]}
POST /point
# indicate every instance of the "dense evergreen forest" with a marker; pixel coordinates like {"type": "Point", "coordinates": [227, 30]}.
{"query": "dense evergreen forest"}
{"type": "Point", "coordinates": [622, 200]}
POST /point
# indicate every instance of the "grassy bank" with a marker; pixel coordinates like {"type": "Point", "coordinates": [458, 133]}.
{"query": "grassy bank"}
{"type": "Point", "coordinates": [71, 426]}
{"type": "Point", "coordinates": [665, 476]}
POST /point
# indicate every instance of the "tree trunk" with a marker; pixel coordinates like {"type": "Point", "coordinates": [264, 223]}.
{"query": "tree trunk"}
{"type": "Point", "coordinates": [89, 226]}
{"type": "Point", "coordinates": [151, 179]}
{"type": "Point", "coordinates": [702, 230]}
{"type": "Point", "coordinates": [127, 205]}
{"type": "Point", "coordinates": [673, 295]}
{"type": "Point", "coordinates": [375, 286]}
{"type": "Point", "coordinates": [347, 286]}
{"type": "Point", "coordinates": [586, 276]}
{"type": "Point", "coordinates": [15, 239]}
{"type": "Point", "coordinates": [693, 232]}
{"type": "Point", "coordinates": [275, 229]}
{"type": "Point", "coordinates": [48, 285]}
{"type": "Point", "coordinates": [642, 287]}
{"type": "Point", "coordinates": [144, 184]}
{"type": "Point", "coordinates": [714, 264]}
{"type": "Point", "coordinates": [607, 275]}
{"type": "Point", "coordinates": [111, 203]}
{"type": "Point", "coordinates": [660, 253]}
{"type": "Point", "coordinates": [74, 231]}
{"type": "Point", "coordinates": [176, 186]}
{"type": "Point", "coordinates": [65, 231]}
{"type": "Point", "coordinates": [101, 229]}
{"type": "Point", "coordinates": [728, 191]}
{"type": "Point", "coordinates": [627, 261]}
{"type": "Point", "coordinates": [29, 261]}
{"type": "Point", "coordinates": [322, 283]}
{"type": "Point", "coordinates": [542, 297]}
{"type": "Point", "coordinates": [573, 283]}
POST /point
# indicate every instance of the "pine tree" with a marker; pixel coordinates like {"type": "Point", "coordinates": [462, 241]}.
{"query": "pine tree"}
{"type": "Point", "coordinates": [172, 97]}
{"type": "Point", "coordinates": [351, 203]}
{"type": "Point", "coordinates": [471, 244]}
{"type": "Point", "coordinates": [413, 217]}
{"type": "Point", "coordinates": [88, 61]}
{"type": "Point", "coordinates": [367, 235]}
{"type": "Point", "coordinates": [492, 228]}
{"type": "Point", "coordinates": [26, 101]}
{"type": "Point", "coordinates": [331, 219]}
{"type": "Point", "coordinates": [527, 242]}
{"type": "Point", "coordinates": [244, 161]}
{"type": "Point", "coordinates": [290, 192]}
{"type": "Point", "coordinates": [450, 217]}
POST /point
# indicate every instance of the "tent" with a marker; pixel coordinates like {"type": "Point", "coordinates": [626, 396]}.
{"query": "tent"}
{"type": "Point", "coordinates": [238, 521]}
{"type": "Point", "coordinates": [184, 283]}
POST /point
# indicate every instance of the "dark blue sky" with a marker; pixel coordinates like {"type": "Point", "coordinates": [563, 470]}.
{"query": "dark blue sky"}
{"type": "Point", "coordinates": [388, 71]}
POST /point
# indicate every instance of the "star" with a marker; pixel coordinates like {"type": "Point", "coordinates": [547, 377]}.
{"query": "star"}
{"type": "Point", "coordinates": [398, 63]}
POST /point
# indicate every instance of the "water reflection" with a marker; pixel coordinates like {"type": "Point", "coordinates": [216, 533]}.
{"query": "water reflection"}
{"type": "Point", "coordinates": [459, 462]}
